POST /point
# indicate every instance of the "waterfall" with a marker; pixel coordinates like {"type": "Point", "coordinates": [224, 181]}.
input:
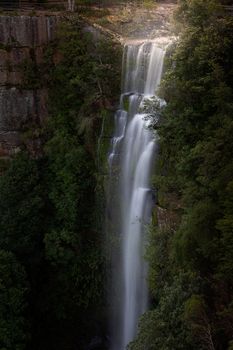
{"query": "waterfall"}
{"type": "Point", "coordinates": [130, 199]}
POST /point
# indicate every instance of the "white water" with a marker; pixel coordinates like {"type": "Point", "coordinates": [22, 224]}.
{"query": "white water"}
{"type": "Point", "coordinates": [132, 154]}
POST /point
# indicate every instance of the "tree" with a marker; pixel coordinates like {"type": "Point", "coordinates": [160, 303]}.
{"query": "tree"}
{"type": "Point", "coordinates": [13, 292]}
{"type": "Point", "coordinates": [195, 178]}
{"type": "Point", "coordinates": [22, 209]}
{"type": "Point", "coordinates": [195, 315]}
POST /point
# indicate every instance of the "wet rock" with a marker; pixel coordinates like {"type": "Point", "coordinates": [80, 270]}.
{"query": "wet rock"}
{"type": "Point", "coordinates": [10, 61]}
{"type": "Point", "coordinates": [15, 108]}
{"type": "Point", "coordinates": [22, 42]}
{"type": "Point", "coordinates": [19, 108]}
{"type": "Point", "coordinates": [9, 143]}
{"type": "Point", "coordinates": [27, 31]}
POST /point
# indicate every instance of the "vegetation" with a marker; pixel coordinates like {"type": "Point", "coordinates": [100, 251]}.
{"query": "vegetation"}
{"type": "Point", "coordinates": [52, 267]}
{"type": "Point", "coordinates": [13, 289]}
{"type": "Point", "coordinates": [191, 261]}
{"type": "Point", "coordinates": [52, 273]}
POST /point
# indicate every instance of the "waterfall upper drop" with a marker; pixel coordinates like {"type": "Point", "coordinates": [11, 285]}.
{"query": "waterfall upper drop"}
{"type": "Point", "coordinates": [130, 198]}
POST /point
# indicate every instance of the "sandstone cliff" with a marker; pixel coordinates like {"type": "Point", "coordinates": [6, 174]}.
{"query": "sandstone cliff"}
{"type": "Point", "coordinates": [22, 39]}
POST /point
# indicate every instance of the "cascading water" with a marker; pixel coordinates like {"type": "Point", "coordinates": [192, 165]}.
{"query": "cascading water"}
{"type": "Point", "coordinates": [130, 198]}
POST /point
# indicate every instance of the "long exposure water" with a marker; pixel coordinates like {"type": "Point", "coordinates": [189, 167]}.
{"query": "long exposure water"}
{"type": "Point", "coordinates": [130, 197]}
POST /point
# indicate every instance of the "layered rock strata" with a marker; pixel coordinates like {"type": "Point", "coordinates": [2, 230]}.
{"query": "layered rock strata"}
{"type": "Point", "coordinates": [22, 41]}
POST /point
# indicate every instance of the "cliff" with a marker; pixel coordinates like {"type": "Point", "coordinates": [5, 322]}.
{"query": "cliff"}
{"type": "Point", "coordinates": [22, 39]}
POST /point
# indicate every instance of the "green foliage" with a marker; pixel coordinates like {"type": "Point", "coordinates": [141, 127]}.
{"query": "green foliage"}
{"type": "Point", "coordinates": [23, 219]}
{"type": "Point", "coordinates": [160, 262]}
{"type": "Point", "coordinates": [13, 289]}
{"type": "Point", "coordinates": [196, 316]}
{"type": "Point", "coordinates": [198, 13]}
{"type": "Point", "coordinates": [21, 207]}
{"type": "Point", "coordinates": [199, 111]}
{"type": "Point", "coordinates": [72, 243]}
{"type": "Point", "coordinates": [225, 225]}
{"type": "Point", "coordinates": [148, 4]}
{"type": "Point", "coordinates": [48, 211]}
{"type": "Point", "coordinates": [164, 327]}
{"type": "Point", "coordinates": [195, 239]}
{"type": "Point", "coordinates": [71, 176]}
{"type": "Point", "coordinates": [195, 182]}
{"type": "Point", "coordinates": [31, 74]}
{"type": "Point", "coordinates": [89, 75]}
{"type": "Point", "coordinates": [37, 75]}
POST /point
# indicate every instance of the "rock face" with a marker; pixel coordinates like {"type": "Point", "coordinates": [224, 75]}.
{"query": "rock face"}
{"type": "Point", "coordinates": [29, 31]}
{"type": "Point", "coordinates": [22, 39]}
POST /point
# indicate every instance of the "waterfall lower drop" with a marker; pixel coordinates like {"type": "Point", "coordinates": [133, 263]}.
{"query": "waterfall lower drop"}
{"type": "Point", "coordinates": [130, 198]}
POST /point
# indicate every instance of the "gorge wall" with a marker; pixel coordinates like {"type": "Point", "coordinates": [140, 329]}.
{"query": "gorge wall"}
{"type": "Point", "coordinates": [23, 39]}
